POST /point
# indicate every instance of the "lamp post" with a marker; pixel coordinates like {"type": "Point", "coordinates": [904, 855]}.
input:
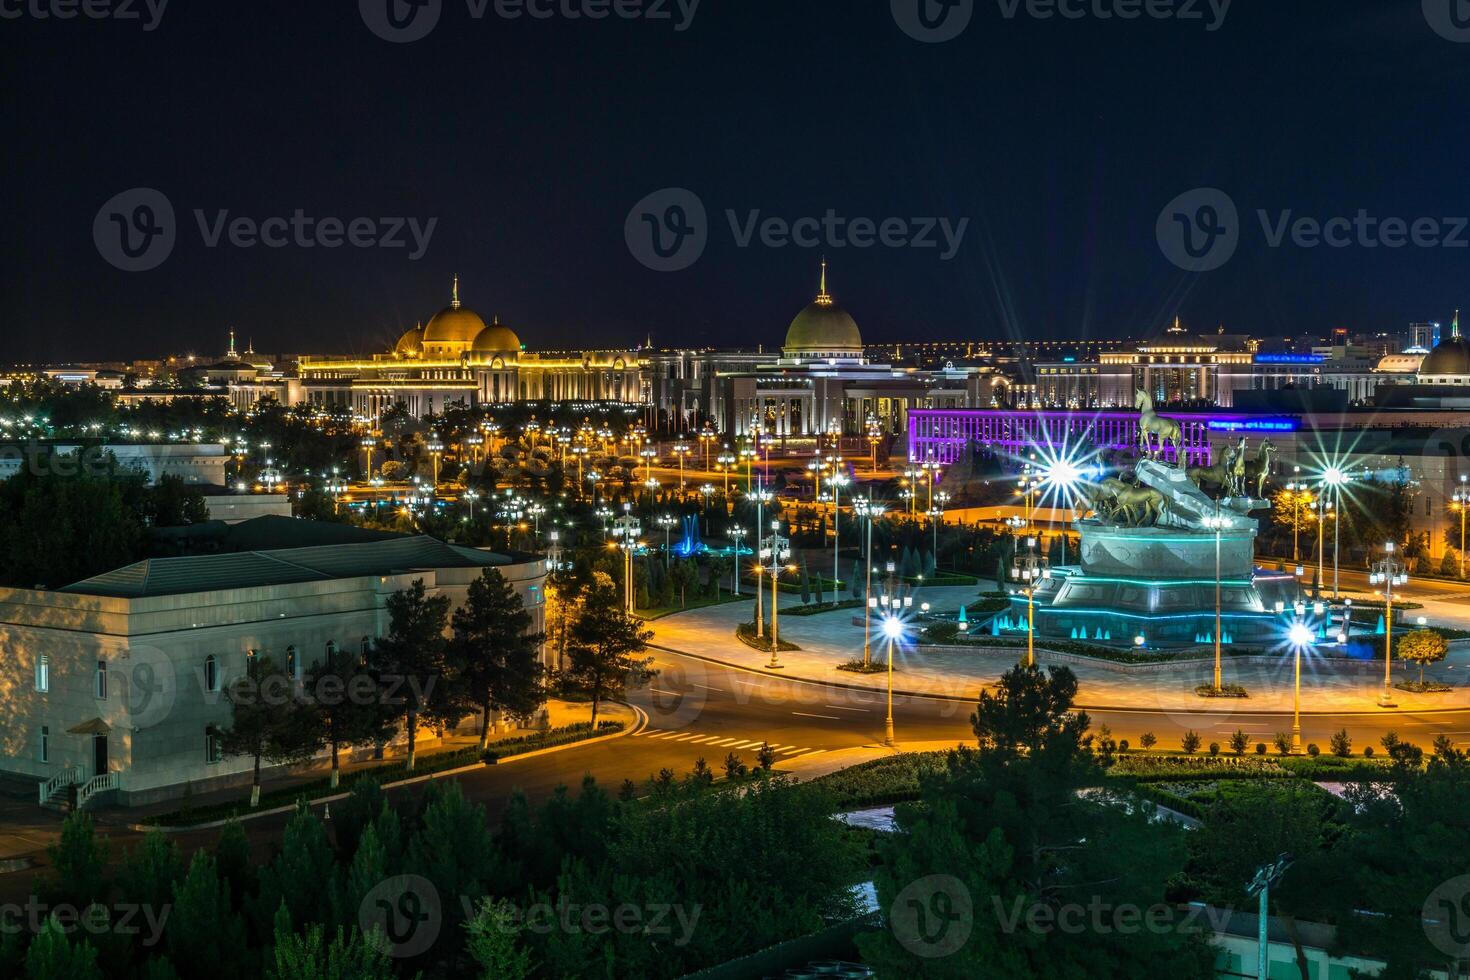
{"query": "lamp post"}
{"type": "Point", "coordinates": [1335, 478]}
{"type": "Point", "coordinates": [875, 435]}
{"type": "Point", "coordinates": [708, 492]}
{"type": "Point", "coordinates": [837, 481]}
{"type": "Point", "coordinates": [436, 449]}
{"type": "Point", "coordinates": [1300, 495]}
{"type": "Point", "coordinates": [707, 436]}
{"type": "Point", "coordinates": [736, 532]}
{"type": "Point", "coordinates": [911, 474]}
{"type": "Point", "coordinates": [666, 521]}
{"type": "Point", "coordinates": [1300, 637]}
{"type": "Point", "coordinates": [779, 549]}
{"type": "Point", "coordinates": [649, 455]}
{"type": "Point", "coordinates": [893, 630]}
{"type": "Point", "coordinates": [626, 529]}
{"type": "Point", "coordinates": [1266, 876]}
{"type": "Point", "coordinates": [725, 462]}
{"type": "Point", "coordinates": [748, 454]}
{"type": "Point", "coordinates": [1217, 524]}
{"type": "Point", "coordinates": [1030, 569]}
{"type": "Point", "coordinates": [1461, 500]}
{"type": "Point", "coordinates": [760, 496]}
{"type": "Point", "coordinates": [681, 449]}
{"type": "Point", "coordinates": [1388, 573]}
{"type": "Point", "coordinates": [368, 443]}
{"type": "Point", "coordinates": [869, 512]}
{"type": "Point", "coordinates": [471, 495]}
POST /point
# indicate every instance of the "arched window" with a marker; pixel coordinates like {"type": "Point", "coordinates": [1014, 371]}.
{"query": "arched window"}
{"type": "Point", "coordinates": [331, 650]}
{"type": "Point", "coordinates": [293, 664]}
{"type": "Point", "coordinates": [252, 661]}
{"type": "Point", "coordinates": [211, 674]}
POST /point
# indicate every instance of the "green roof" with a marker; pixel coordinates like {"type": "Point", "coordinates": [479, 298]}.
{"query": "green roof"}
{"type": "Point", "coordinates": [284, 566]}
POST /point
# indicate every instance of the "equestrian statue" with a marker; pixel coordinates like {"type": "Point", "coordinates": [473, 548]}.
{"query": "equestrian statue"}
{"type": "Point", "coordinates": [1149, 424]}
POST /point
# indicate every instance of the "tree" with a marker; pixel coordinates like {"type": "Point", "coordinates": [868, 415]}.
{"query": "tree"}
{"type": "Point", "coordinates": [1239, 740]}
{"type": "Point", "coordinates": [1423, 647]}
{"type": "Point", "coordinates": [351, 955]}
{"type": "Point", "coordinates": [78, 862]}
{"type": "Point", "coordinates": [52, 956]}
{"type": "Point", "coordinates": [1148, 740]}
{"type": "Point", "coordinates": [494, 657]}
{"type": "Point", "coordinates": [268, 721]}
{"type": "Point", "coordinates": [1341, 743]}
{"type": "Point", "coordinates": [604, 642]}
{"type": "Point", "coordinates": [494, 941]}
{"type": "Point", "coordinates": [1007, 828]}
{"type": "Point", "coordinates": [206, 939]}
{"type": "Point", "coordinates": [148, 874]}
{"type": "Point", "coordinates": [345, 707]}
{"type": "Point", "coordinates": [412, 657]}
{"type": "Point", "coordinates": [1190, 742]}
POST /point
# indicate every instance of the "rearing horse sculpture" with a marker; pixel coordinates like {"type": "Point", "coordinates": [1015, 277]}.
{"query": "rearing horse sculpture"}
{"type": "Point", "coordinates": [1149, 424]}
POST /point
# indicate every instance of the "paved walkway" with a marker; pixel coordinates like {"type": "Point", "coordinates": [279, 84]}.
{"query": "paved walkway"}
{"type": "Point", "coordinates": [831, 638]}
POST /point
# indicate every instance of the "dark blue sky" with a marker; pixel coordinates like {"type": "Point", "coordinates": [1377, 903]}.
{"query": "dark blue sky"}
{"type": "Point", "coordinates": [529, 140]}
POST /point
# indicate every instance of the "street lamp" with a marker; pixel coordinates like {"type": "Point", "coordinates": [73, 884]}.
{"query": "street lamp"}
{"type": "Point", "coordinates": [836, 481]}
{"type": "Point", "coordinates": [761, 497]}
{"type": "Point", "coordinates": [666, 521]}
{"type": "Point", "coordinates": [436, 449]}
{"type": "Point", "coordinates": [1388, 573]}
{"type": "Point", "coordinates": [1301, 637]}
{"type": "Point", "coordinates": [1335, 478]}
{"type": "Point", "coordinates": [472, 495]}
{"type": "Point", "coordinates": [893, 630]}
{"type": "Point", "coordinates": [869, 511]}
{"type": "Point", "coordinates": [1461, 498]}
{"type": "Point", "coordinates": [736, 532]}
{"type": "Point", "coordinates": [368, 443]}
{"type": "Point", "coordinates": [779, 548]}
{"type": "Point", "coordinates": [1030, 569]}
{"type": "Point", "coordinates": [681, 449]}
{"type": "Point", "coordinates": [1217, 524]}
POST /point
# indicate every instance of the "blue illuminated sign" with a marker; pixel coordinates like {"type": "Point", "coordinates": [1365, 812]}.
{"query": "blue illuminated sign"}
{"type": "Point", "coordinates": [1289, 358]}
{"type": "Point", "coordinates": [1251, 425]}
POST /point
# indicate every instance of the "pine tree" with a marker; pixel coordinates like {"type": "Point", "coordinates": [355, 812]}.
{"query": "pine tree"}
{"type": "Point", "coordinates": [345, 709]}
{"type": "Point", "coordinates": [605, 640]}
{"type": "Point", "coordinates": [78, 862]}
{"type": "Point", "coordinates": [268, 721]}
{"type": "Point", "coordinates": [494, 657]}
{"type": "Point", "coordinates": [206, 940]}
{"type": "Point", "coordinates": [412, 657]}
{"type": "Point", "coordinates": [53, 956]}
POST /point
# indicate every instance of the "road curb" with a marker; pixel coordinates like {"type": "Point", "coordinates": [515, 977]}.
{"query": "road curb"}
{"type": "Point", "coordinates": [1111, 709]}
{"type": "Point", "coordinates": [640, 721]}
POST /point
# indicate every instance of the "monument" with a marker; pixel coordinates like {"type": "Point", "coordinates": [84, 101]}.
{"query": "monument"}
{"type": "Point", "coordinates": [1156, 552]}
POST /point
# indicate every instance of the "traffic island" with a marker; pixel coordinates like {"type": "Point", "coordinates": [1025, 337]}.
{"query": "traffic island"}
{"type": "Point", "coordinates": [745, 633]}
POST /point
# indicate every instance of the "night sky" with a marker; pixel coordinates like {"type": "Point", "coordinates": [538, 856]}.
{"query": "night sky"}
{"type": "Point", "coordinates": [531, 140]}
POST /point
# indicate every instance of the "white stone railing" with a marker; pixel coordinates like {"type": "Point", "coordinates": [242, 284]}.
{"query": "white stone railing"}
{"type": "Point", "coordinates": [69, 776]}
{"type": "Point", "coordinates": [95, 785]}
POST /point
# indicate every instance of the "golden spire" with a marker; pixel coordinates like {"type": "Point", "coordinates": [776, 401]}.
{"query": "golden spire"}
{"type": "Point", "coordinates": [232, 342]}
{"type": "Point", "coordinates": [822, 296]}
{"type": "Point", "coordinates": [1455, 325]}
{"type": "Point", "coordinates": [454, 301]}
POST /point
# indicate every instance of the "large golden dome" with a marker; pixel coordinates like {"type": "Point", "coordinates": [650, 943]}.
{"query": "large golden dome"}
{"type": "Point", "coordinates": [496, 338]}
{"type": "Point", "coordinates": [453, 326]}
{"type": "Point", "coordinates": [823, 328]}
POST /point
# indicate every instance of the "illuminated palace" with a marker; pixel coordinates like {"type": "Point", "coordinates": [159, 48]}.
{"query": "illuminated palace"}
{"type": "Point", "coordinates": [459, 358]}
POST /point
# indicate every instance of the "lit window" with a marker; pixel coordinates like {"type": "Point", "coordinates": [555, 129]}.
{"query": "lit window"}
{"type": "Point", "coordinates": [43, 673]}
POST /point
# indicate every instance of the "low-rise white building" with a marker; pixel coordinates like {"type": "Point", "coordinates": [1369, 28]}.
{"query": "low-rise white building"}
{"type": "Point", "coordinates": [122, 676]}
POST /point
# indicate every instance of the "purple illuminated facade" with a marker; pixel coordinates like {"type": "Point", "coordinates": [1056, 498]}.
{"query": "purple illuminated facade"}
{"type": "Point", "coordinates": [941, 434]}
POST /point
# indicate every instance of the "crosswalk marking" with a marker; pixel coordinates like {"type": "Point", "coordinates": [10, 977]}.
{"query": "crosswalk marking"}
{"type": "Point", "coordinates": [727, 742]}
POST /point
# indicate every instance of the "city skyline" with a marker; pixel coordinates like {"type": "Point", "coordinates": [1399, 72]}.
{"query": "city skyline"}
{"type": "Point", "coordinates": [530, 174]}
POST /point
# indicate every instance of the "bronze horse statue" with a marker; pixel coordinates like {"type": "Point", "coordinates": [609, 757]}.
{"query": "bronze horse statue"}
{"type": "Point", "coordinates": [1259, 469]}
{"type": "Point", "coordinates": [1220, 473]}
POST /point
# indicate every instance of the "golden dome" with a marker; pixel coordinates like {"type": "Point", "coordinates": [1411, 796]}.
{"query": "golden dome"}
{"type": "Point", "coordinates": [496, 337]}
{"type": "Point", "coordinates": [823, 328]}
{"type": "Point", "coordinates": [453, 326]}
{"type": "Point", "coordinates": [412, 341]}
